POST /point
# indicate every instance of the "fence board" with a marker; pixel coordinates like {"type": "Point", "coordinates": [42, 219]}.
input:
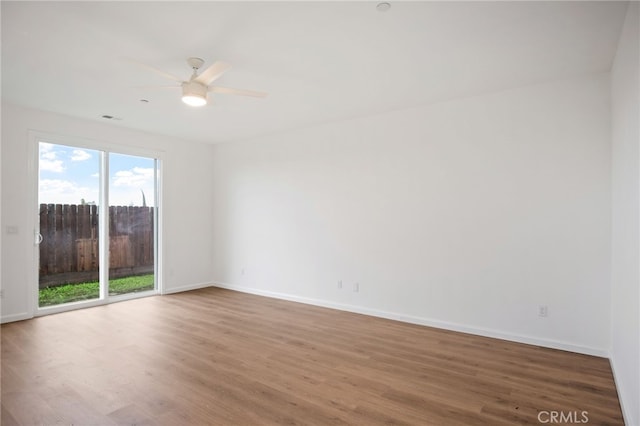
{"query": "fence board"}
{"type": "Point", "coordinates": [87, 250]}
{"type": "Point", "coordinates": [71, 234]}
{"type": "Point", "coordinates": [43, 221]}
{"type": "Point", "coordinates": [120, 253]}
{"type": "Point", "coordinates": [51, 242]}
{"type": "Point", "coordinates": [58, 241]}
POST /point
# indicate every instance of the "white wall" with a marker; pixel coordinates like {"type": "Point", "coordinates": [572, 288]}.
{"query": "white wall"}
{"type": "Point", "coordinates": [625, 332]}
{"type": "Point", "coordinates": [466, 214]}
{"type": "Point", "coordinates": [187, 242]}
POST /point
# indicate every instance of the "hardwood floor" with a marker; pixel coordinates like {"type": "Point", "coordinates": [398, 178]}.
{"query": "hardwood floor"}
{"type": "Point", "coordinates": [214, 356]}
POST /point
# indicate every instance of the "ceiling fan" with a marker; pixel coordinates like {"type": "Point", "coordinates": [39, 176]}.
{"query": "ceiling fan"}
{"type": "Point", "coordinates": [195, 89]}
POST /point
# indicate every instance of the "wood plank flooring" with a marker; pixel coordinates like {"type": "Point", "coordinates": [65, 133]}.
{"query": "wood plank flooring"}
{"type": "Point", "coordinates": [218, 357]}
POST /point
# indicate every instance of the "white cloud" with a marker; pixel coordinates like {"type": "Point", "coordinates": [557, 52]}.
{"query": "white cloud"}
{"type": "Point", "coordinates": [126, 186]}
{"type": "Point", "coordinates": [48, 155]}
{"type": "Point", "coordinates": [55, 166]}
{"type": "Point", "coordinates": [59, 191]}
{"type": "Point", "coordinates": [49, 159]}
{"type": "Point", "coordinates": [80, 155]}
{"type": "Point", "coordinates": [46, 147]}
{"type": "Point", "coordinates": [56, 185]}
{"type": "Point", "coordinates": [136, 177]}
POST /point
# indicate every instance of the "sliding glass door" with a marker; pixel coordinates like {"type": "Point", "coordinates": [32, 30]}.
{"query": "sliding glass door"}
{"type": "Point", "coordinates": [131, 223]}
{"type": "Point", "coordinates": [97, 225]}
{"type": "Point", "coordinates": [68, 195]}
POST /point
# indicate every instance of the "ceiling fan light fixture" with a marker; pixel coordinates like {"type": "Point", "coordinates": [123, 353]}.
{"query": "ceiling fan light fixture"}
{"type": "Point", "coordinates": [383, 7]}
{"type": "Point", "coordinates": [194, 100]}
{"type": "Point", "coordinates": [194, 94]}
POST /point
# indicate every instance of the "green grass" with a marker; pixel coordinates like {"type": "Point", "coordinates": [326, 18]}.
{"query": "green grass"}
{"type": "Point", "coordinates": [91, 290]}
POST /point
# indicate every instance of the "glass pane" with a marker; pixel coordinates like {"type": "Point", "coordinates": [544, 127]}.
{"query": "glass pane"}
{"type": "Point", "coordinates": [67, 198]}
{"type": "Point", "coordinates": [131, 223]}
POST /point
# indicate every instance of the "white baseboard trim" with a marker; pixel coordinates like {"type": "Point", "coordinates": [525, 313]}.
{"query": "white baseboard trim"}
{"type": "Point", "coordinates": [627, 416]}
{"type": "Point", "coordinates": [547, 343]}
{"type": "Point", "coordinates": [15, 317]}
{"type": "Point", "coordinates": [186, 288]}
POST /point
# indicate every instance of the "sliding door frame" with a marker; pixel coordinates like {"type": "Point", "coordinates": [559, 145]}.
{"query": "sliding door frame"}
{"type": "Point", "coordinates": [105, 148]}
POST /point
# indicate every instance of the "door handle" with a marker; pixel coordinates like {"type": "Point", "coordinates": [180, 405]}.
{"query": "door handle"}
{"type": "Point", "coordinates": [39, 238]}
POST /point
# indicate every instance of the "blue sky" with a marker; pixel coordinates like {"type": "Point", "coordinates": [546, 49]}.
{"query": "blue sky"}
{"type": "Point", "coordinates": [69, 175]}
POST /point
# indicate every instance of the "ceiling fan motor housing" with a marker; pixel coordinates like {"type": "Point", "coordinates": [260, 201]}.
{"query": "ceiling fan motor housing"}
{"type": "Point", "coordinates": [195, 92]}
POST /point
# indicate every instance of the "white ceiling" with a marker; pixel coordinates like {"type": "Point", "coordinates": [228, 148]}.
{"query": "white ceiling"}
{"type": "Point", "coordinates": [319, 61]}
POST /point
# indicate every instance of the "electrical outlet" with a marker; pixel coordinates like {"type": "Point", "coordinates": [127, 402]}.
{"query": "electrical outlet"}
{"type": "Point", "coordinates": [356, 287]}
{"type": "Point", "coordinates": [1, 294]}
{"type": "Point", "coordinates": [543, 311]}
{"type": "Point", "coordinates": [340, 284]}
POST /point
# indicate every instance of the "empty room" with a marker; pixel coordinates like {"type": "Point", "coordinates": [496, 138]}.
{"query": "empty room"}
{"type": "Point", "coordinates": [356, 213]}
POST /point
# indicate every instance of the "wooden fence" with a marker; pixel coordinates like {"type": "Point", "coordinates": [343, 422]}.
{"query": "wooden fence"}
{"type": "Point", "coordinates": [69, 247]}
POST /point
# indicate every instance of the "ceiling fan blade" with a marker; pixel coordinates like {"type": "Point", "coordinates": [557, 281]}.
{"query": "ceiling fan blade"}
{"type": "Point", "coordinates": [212, 73]}
{"type": "Point", "coordinates": [174, 86]}
{"type": "Point", "coordinates": [242, 92]}
{"type": "Point", "coordinates": [155, 70]}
